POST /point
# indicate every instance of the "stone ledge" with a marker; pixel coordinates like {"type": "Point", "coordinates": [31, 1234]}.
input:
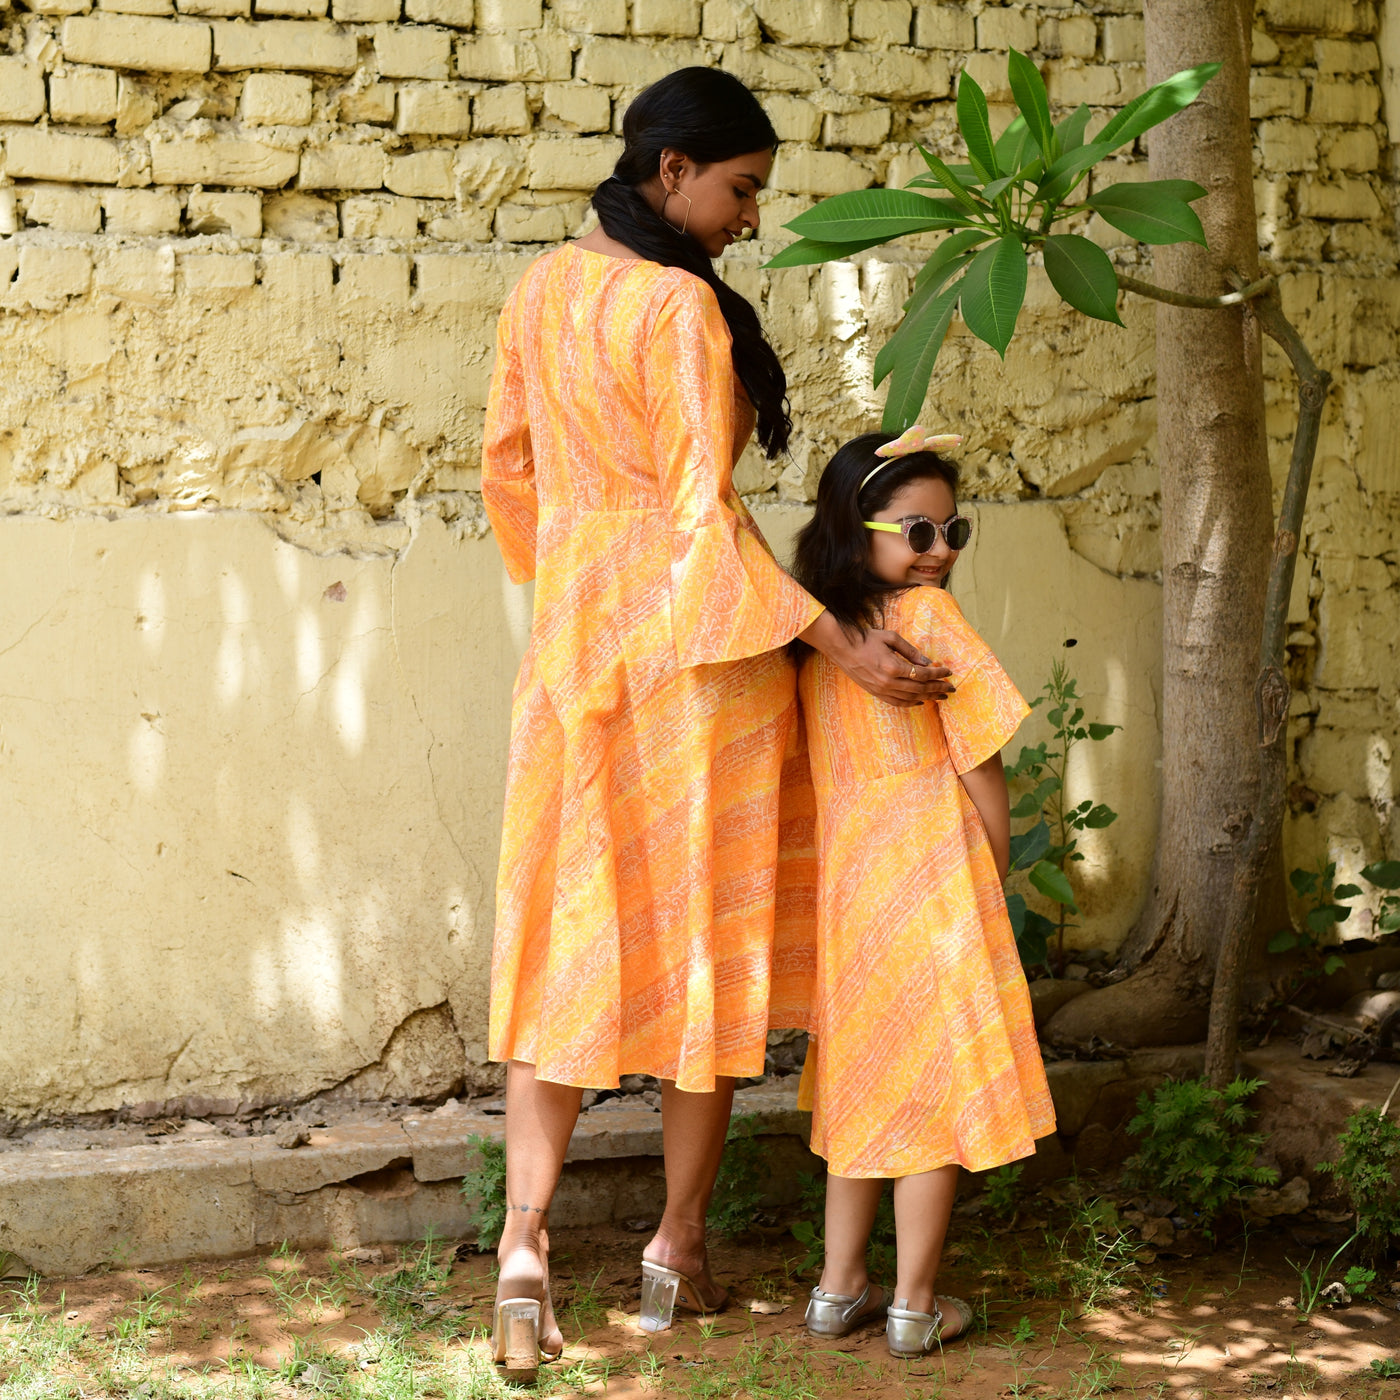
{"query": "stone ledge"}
{"type": "Point", "coordinates": [69, 1211]}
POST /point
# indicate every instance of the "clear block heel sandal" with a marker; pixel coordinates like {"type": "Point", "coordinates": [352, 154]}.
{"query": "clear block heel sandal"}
{"type": "Point", "coordinates": [659, 1288]}
{"type": "Point", "coordinates": [515, 1327]}
{"type": "Point", "coordinates": [663, 1291]}
{"type": "Point", "coordinates": [515, 1332]}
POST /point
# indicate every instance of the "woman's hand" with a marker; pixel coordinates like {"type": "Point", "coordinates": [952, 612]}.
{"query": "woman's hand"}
{"type": "Point", "coordinates": [881, 662]}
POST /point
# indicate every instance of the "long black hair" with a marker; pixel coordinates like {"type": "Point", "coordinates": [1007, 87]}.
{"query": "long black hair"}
{"type": "Point", "coordinates": [832, 559]}
{"type": "Point", "coordinates": [709, 116]}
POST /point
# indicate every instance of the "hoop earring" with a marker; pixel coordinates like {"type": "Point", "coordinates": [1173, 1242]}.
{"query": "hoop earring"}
{"type": "Point", "coordinates": [685, 223]}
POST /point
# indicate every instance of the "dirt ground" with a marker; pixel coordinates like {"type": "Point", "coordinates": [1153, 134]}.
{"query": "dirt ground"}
{"type": "Point", "coordinates": [1065, 1313]}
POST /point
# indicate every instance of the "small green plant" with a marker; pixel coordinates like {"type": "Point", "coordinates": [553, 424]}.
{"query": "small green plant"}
{"type": "Point", "coordinates": [1046, 847]}
{"type": "Point", "coordinates": [1024, 1333]}
{"type": "Point", "coordinates": [1322, 915]}
{"type": "Point", "coordinates": [739, 1185]}
{"type": "Point", "coordinates": [422, 1274]}
{"type": "Point", "coordinates": [1358, 1280]}
{"type": "Point", "coordinates": [1194, 1147]}
{"type": "Point", "coordinates": [1366, 1169]}
{"type": "Point", "coordinates": [1094, 1259]}
{"type": "Point", "coordinates": [1311, 1285]}
{"type": "Point", "coordinates": [1325, 909]}
{"type": "Point", "coordinates": [484, 1189]}
{"type": "Point", "coordinates": [1003, 1190]}
{"type": "Point", "coordinates": [1385, 875]}
{"type": "Point", "coordinates": [1387, 1367]}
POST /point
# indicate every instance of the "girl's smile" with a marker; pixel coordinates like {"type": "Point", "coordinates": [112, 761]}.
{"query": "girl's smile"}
{"type": "Point", "coordinates": [891, 558]}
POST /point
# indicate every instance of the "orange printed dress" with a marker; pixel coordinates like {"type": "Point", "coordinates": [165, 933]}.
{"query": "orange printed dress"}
{"type": "Point", "coordinates": [647, 920]}
{"type": "Point", "coordinates": [925, 1050]}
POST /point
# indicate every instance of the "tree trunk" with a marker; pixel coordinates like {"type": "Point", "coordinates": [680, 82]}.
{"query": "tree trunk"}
{"type": "Point", "coordinates": [1216, 535]}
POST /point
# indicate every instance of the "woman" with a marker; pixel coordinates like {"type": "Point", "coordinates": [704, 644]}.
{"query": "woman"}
{"type": "Point", "coordinates": [640, 853]}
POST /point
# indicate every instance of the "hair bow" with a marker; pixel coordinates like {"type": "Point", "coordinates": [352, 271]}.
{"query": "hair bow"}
{"type": "Point", "coordinates": [914, 439]}
{"type": "Point", "coordinates": [919, 439]}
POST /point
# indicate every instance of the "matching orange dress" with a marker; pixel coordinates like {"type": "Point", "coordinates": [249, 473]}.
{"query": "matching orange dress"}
{"type": "Point", "coordinates": [654, 908]}
{"type": "Point", "coordinates": [925, 1050]}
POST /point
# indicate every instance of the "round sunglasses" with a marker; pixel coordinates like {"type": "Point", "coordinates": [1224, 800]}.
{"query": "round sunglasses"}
{"type": "Point", "coordinates": [921, 534]}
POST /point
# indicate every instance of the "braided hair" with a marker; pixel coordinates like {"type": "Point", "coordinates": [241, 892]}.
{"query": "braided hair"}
{"type": "Point", "coordinates": [709, 116]}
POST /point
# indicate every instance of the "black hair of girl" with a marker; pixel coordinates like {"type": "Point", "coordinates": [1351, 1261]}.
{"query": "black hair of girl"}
{"type": "Point", "coordinates": [832, 558]}
{"type": "Point", "coordinates": [709, 116]}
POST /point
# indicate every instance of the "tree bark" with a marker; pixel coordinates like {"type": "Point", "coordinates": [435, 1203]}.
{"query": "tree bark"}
{"type": "Point", "coordinates": [1216, 535]}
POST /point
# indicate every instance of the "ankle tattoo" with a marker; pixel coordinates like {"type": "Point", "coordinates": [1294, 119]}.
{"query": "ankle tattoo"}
{"type": "Point", "coordinates": [538, 1210]}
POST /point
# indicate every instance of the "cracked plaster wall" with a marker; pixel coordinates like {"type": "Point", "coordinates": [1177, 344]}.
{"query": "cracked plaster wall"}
{"type": "Point", "coordinates": [251, 254]}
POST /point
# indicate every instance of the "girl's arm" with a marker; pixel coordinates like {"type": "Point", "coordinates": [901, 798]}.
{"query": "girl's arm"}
{"type": "Point", "coordinates": [986, 786]}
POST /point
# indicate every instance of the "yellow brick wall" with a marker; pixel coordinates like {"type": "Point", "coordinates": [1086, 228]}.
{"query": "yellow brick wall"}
{"type": "Point", "coordinates": [251, 254]}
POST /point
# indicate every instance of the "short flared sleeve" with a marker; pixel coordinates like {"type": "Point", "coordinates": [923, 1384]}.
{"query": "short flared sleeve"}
{"type": "Point", "coordinates": [507, 461]}
{"type": "Point", "coordinates": [986, 709]}
{"type": "Point", "coordinates": [729, 597]}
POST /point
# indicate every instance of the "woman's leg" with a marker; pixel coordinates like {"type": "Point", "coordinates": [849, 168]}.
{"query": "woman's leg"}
{"type": "Point", "coordinates": [693, 1127]}
{"type": "Point", "coordinates": [851, 1203]}
{"type": "Point", "coordinates": [923, 1205]}
{"type": "Point", "coordinates": [540, 1118]}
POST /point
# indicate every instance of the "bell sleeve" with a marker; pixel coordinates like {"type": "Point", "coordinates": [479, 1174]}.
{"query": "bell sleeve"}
{"type": "Point", "coordinates": [507, 461]}
{"type": "Point", "coordinates": [729, 597]}
{"type": "Point", "coordinates": [986, 709]}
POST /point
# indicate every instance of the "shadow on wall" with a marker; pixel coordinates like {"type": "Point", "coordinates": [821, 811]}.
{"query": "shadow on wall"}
{"type": "Point", "coordinates": [249, 808]}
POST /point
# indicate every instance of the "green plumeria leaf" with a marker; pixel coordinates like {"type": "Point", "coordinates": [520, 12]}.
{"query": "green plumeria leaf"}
{"type": "Point", "coordinates": [924, 291]}
{"type": "Point", "coordinates": [949, 251]}
{"type": "Point", "coordinates": [921, 334]}
{"type": "Point", "coordinates": [1070, 132]}
{"type": "Point", "coordinates": [990, 192]}
{"type": "Point", "coordinates": [1052, 882]}
{"type": "Point", "coordinates": [1066, 172]}
{"type": "Point", "coordinates": [1014, 145]}
{"type": "Point", "coordinates": [976, 127]}
{"type": "Point", "coordinates": [951, 183]}
{"type": "Point", "coordinates": [1028, 88]}
{"type": "Point", "coordinates": [875, 214]}
{"type": "Point", "coordinates": [930, 287]}
{"type": "Point", "coordinates": [808, 250]}
{"type": "Point", "coordinates": [994, 287]}
{"type": "Point", "coordinates": [1081, 272]}
{"type": "Point", "coordinates": [1157, 104]}
{"type": "Point", "coordinates": [1149, 213]}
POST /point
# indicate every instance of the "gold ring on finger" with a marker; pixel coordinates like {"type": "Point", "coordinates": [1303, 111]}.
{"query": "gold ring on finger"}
{"type": "Point", "coordinates": [913, 673]}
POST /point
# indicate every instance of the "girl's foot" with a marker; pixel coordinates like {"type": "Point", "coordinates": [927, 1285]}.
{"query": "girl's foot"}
{"type": "Point", "coordinates": [912, 1334]}
{"type": "Point", "coordinates": [838, 1314]}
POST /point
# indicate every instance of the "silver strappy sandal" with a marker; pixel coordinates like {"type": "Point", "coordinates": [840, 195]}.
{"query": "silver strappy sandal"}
{"type": "Point", "coordinates": [914, 1334]}
{"type": "Point", "coordinates": [837, 1315]}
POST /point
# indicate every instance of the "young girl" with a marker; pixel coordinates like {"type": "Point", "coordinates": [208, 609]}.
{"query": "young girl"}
{"type": "Point", "coordinates": [925, 1054]}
